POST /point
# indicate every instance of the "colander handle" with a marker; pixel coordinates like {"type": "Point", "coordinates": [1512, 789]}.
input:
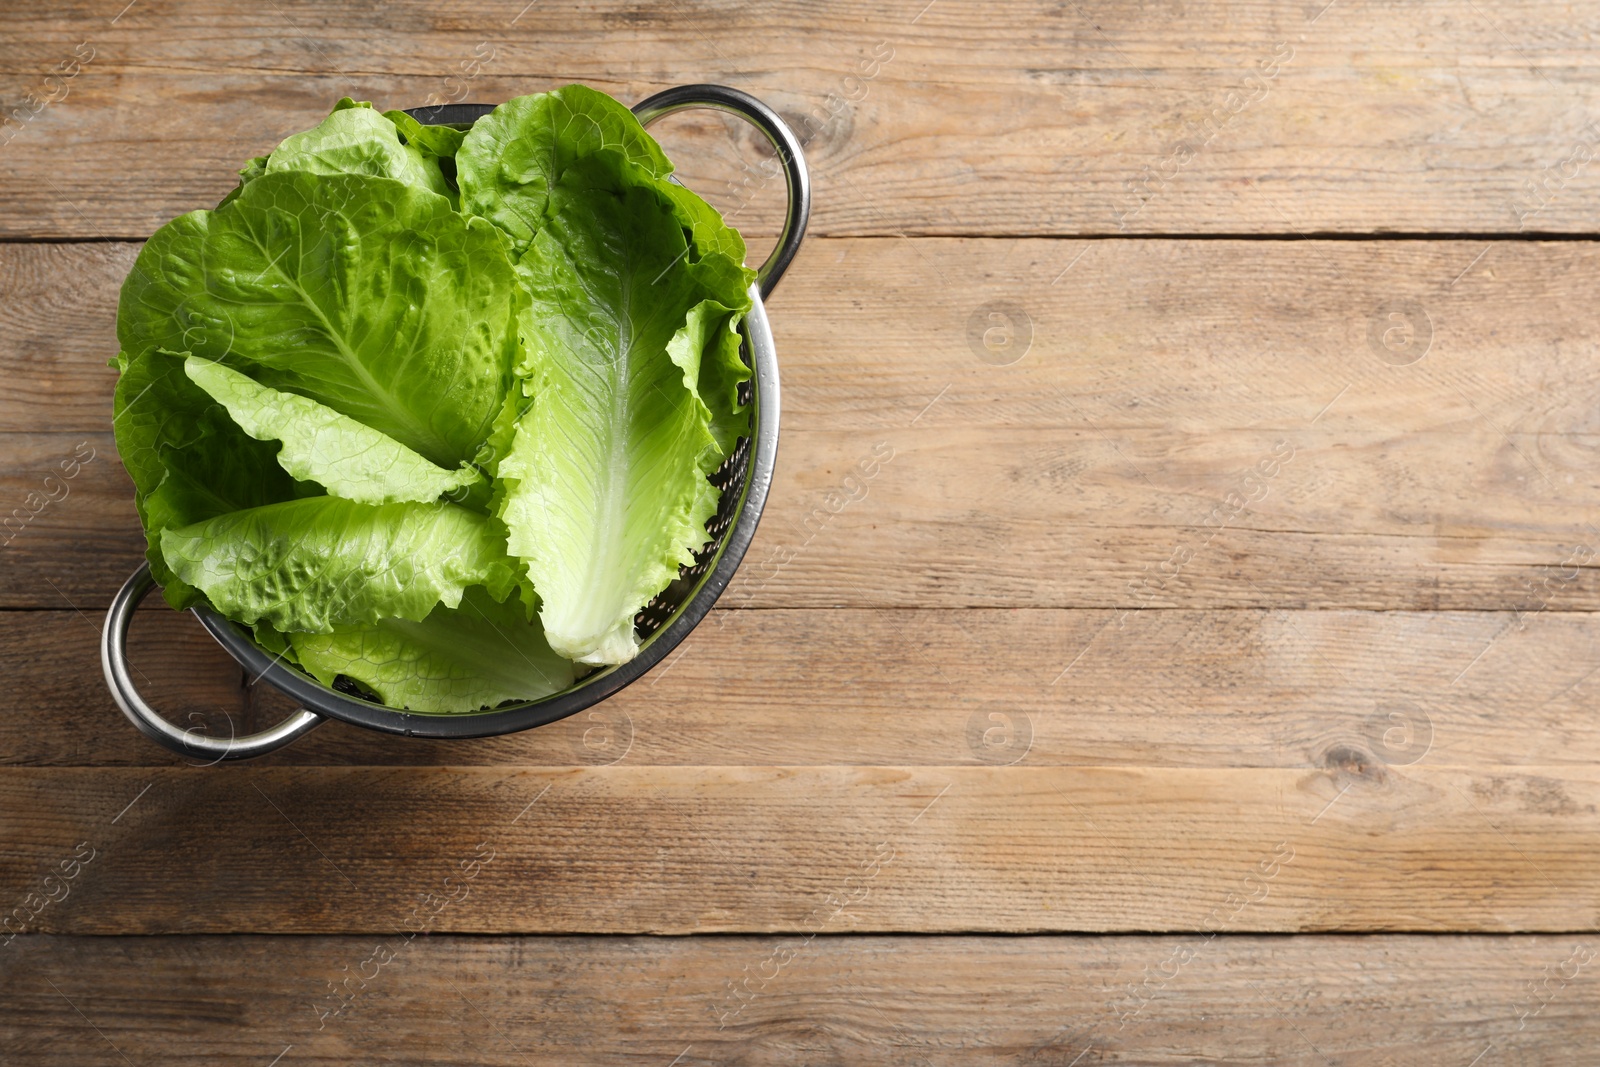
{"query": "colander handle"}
{"type": "Point", "coordinates": [783, 141]}
{"type": "Point", "coordinates": [114, 661]}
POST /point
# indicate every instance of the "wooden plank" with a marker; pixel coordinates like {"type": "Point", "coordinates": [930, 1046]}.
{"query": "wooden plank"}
{"type": "Point", "coordinates": [58, 329]}
{"type": "Point", "coordinates": [1194, 117]}
{"type": "Point", "coordinates": [70, 533]}
{"type": "Point", "coordinates": [1357, 846]}
{"type": "Point", "coordinates": [1298, 1001]}
{"type": "Point", "coordinates": [1043, 688]}
{"type": "Point", "coordinates": [1105, 467]}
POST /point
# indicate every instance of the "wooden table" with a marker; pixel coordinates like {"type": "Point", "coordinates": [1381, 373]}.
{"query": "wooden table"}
{"type": "Point", "coordinates": [1205, 673]}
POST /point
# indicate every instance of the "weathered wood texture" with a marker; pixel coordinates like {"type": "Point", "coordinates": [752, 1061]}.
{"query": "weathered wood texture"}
{"type": "Point", "coordinates": [1356, 846]}
{"type": "Point", "coordinates": [1290, 689]}
{"type": "Point", "coordinates": [1159, 1001]}
{"type": "Point", "coordinates": [1013, 117]}
{"type": "Point", "coordinates": [1104, 468]}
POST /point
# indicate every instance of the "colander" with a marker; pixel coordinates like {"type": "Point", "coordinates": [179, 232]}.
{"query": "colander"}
{"type": "Point", "coordinates": [743, 478]}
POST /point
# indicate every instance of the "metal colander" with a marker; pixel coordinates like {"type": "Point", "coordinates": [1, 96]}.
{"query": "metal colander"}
{"type": "Point", "coordinates": [743, 478]}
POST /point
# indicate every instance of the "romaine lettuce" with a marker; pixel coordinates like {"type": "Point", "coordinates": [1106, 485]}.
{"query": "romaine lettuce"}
{"type": "Point", "coordinates": [321, 563]}
{"type": "Point", "coordinates": [369, 295]}
{"type": "Point", "coordinates": [475, 655]}
{"type": "Point", "coordinates": [511, 157]}
{"type": "Point", "coordinates": [402, 372]}
{"type": "Point", "coordinates": [358, 140]}
{"type": "Point", "coordinates": [606, 491]}
{"type": "Point", "coordinates": [347, 458]}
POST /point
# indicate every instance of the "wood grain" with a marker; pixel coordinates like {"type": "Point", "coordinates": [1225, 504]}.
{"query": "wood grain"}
{"type": "Point", "coordinates": [1102, 469]}
{"type": "Point", "coordinates": [1016, 117]}
{"type": "Point", "coordinates": [1301, 1001]}
{"type": "Point", "coordinates": [1238, 689]}
{"type": "Point", "coordinates": [1356, 846]}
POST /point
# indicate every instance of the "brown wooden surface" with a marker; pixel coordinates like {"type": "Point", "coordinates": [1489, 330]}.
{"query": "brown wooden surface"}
{"type": "Point", "coordinates": [620, 849]}
{"type": "Point", "coordinates": [1008, 117]}
{"type": "Point", "coordinates": [1380, 1001]}
{"type": "Point", "coordinates": [1032, 714]}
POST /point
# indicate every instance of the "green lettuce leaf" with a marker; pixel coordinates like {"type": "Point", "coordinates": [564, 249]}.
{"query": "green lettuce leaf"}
{"type": "Point", "coordinates": [350, 459]}
{"type": "Point", "coordinates": [460, 659]}
{"type": "Point", "coordinates": [439, 142]}
{"type": "Point", "coordinates": [366, 294]}
{"type": "Point", "coordinates": [188, 460]}
{"type": "Point", "coordinates": [712, 329]}
{"type": "Point", "coordinates": [715, 256]}
{"type": "Point", "coordinates": [709, 233]}
{"type": "Point", "coordinates": [355, 139]}
{"type": "Point", "coordinates": [605, 491]}
{"type": "Point", "coordinates": [322, 563]}
{"type": "Point", "coordinates": [512, 157]}
{"type": "Point", "coordinates": [274, 644]}
{"type": "Point", "coordinates": [249, 172]}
